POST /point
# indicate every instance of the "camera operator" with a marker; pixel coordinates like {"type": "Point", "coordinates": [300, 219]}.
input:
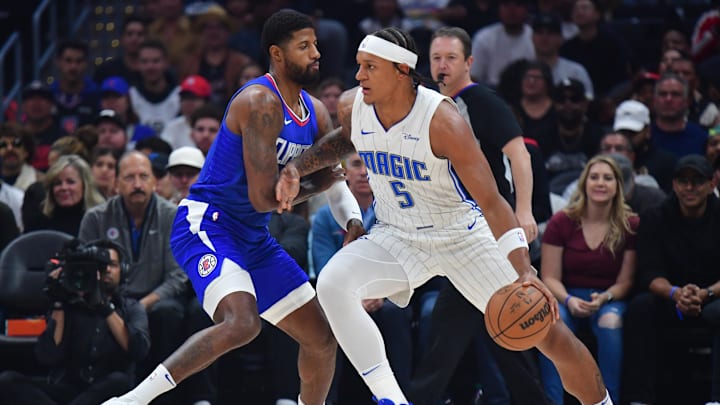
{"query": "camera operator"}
{"type": "Point", "coordinates": [94, 335]}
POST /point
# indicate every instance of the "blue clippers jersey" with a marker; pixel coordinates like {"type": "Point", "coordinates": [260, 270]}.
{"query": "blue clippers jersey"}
{"type": "Point", "coordinates": [223, 182]}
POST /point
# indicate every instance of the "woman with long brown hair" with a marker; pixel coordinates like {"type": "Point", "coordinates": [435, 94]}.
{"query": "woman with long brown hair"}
{"type": "Point", "coordinates": [588, 263]}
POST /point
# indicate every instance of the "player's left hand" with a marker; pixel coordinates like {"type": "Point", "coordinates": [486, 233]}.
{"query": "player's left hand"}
{"type": "Point", "coordinates": [287, 188]}
{"type": "Point", "coordinates": [530, 278]}
{"type": "Point", "coordinates": [355, 229]}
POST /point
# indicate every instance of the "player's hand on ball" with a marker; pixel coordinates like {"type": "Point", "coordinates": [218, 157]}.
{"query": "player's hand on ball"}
{"type": "Point", "coordinates": [287, 188]}
{"type": "Point", "coordinates": [531, 279]}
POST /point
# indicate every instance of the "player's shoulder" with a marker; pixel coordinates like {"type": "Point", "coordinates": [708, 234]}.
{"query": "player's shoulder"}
{"type": "Point", "coordinates": [348, 96]}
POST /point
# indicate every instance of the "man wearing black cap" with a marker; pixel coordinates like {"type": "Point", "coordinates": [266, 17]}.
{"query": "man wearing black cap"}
{"type": "Point", "coordinates": [678, 276]}
{"type": "Point", "coordinates": [111, 131]}
{"type": "Point", "coordinates": [37, 105]}
{"type": "Point", "coordinates": [577, 139]}
{"type": "Point", "coordinates": [547, 39]}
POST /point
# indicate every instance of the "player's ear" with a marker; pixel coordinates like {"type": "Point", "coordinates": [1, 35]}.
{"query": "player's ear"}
{"type": "Point", "coordinates": [405, 69]}
{"type": "Point", "coordinates": [275, 53]}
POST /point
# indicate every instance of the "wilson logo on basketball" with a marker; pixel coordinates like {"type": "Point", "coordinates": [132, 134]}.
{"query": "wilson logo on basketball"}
{"type": "Point", "coordinates": [539, 316]}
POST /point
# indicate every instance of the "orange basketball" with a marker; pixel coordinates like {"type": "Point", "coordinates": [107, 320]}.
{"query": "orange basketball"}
{"type": "Point", "coordinates": [517, 318]}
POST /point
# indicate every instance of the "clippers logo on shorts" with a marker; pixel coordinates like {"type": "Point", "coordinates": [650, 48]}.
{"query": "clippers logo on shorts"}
{"type": "Point", "coordinates": [206, 265]}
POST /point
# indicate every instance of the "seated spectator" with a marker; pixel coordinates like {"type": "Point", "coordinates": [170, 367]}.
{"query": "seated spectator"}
{"type": "Point", "coordinates": [92, 341]}
{"type": "Point", "coordinates": [498, 45]}
{"type": "Point", "coordinates": [329, 91]}
{"type": "Point", "coordinates": [184, 165]}
{"type": "Point", "coordinates": [547, 39]}
{"type": "Point", "coordinates": [104, 170]}
{"type": "Point", "coordinates": [156, 99]}
{"type": "Point", "coordinates": [205, 124]}
{"type": "Point", "coordinates": [111, 131]}
{"type": "Point", "coordinates": [13, 198]}
{"type": "Point", "coordinates": [195, 92]}
{"type": "Point", "coordinates": [37, 105]}
{"type": "Point", "coordinates": [76, 94]}
{"type": "Point", "coordinates": [214, 60]}
{"type": "Point", "coordinates": [701, 109]}
{"type": "Point", "coordinates": [8, 225]}
{"type": "Point", "coordinates": [174, 29]}
{"type": "Point", "coordinates": [114, 95]}
{"type": "Point", "coordinates": [678, 279]}
{"type": "Point", "coordinates": [632, 119]}
{"type": "Point", "coordinates": [670, 129]}
{"type": "Point", "coordinates": [535, 111]}
{"type": "Point", "coordinates": [603, 54]}
{"type": "Point", "coordinates": [577, 139]}
{"type": "Point", "coordinates": [16, 153]}
{"type": "Point", "coordinates": [588, 262]}
{"type": "Point", "coordinates": [125, 64]}
{"type": "Point", "coordinates": [249, 72]}
{"type": "Point", "coordinates": [68, 145]}
{"type": "Point", "coordinates": [69, 191]}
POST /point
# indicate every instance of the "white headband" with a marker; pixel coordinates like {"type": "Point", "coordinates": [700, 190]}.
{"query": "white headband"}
{"type": "Point", "coordinates": [387, 50]}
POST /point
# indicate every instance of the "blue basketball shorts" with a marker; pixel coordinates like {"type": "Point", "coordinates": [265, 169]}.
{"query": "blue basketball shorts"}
{"type": "Point", "coordinates": [222, 256]}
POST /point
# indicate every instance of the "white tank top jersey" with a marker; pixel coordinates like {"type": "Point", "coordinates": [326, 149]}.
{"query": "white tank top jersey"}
{"type": "Point", "coordinates": [413, 189]}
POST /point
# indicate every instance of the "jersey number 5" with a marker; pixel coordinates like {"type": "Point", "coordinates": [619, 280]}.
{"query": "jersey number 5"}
{"type": "Point", "coordinates": [399, 190]}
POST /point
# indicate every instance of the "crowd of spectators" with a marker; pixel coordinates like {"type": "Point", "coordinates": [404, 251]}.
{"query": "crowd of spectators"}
{"type": "Point", "coordinates": [625, 143]}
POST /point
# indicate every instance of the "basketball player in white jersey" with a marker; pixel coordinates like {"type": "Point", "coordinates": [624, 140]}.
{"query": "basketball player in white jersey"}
{"type": "Point", "coordinates": [417, 149]}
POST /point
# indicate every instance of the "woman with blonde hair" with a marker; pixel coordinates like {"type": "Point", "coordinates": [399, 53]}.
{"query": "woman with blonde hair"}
{"type": "Point", "coordinates": [69, 192]}
{"type": "Point", "coordinates": [588, 263]}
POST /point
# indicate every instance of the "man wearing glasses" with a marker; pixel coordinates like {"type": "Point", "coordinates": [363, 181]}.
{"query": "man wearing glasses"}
{"type": "Point", "coordinates": [16, 150]}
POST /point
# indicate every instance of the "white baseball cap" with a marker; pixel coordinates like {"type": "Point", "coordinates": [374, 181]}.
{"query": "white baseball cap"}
{"type": "Point", "coordinates": [631, 115]}
{"type": "Point", "coordinates": [186, 156]}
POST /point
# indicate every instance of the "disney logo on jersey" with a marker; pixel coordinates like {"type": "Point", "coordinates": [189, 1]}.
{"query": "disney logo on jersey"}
{"type": "Point", "coordinates": [286, 150]}
{"type": "Point", "coordinates": [410, 137]}
{"type": "Point", "coordinates": [392, 165]}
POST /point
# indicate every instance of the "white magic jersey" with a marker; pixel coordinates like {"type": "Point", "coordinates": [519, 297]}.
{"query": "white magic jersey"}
{"type": "Point", "coordinates": [413, 189]}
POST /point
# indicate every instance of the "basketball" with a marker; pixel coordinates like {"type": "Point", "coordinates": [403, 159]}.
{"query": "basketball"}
{"type": "Point", "coordinates": [517, 318]}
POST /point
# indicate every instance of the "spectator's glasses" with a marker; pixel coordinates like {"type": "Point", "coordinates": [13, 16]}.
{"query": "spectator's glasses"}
{"type": "Point", "coordinates": [695, 181]}
{"type": "Point", "coordinates": [16, 143]}
{"type": "Point", "coordinates": [578, 98]}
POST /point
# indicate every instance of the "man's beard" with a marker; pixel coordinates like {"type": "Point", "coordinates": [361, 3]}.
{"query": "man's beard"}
{"type": "Point", "coordinates": [303, 76]}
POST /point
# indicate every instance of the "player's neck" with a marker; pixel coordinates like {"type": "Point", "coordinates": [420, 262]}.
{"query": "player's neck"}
{"type": "Point", "coordinates": [395, 108]}
{"type": "Point", "coordinates": [289, 90]}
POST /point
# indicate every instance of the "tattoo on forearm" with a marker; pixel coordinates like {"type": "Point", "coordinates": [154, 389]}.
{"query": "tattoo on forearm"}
{"type": "Point", "coordinates": [329, 151]}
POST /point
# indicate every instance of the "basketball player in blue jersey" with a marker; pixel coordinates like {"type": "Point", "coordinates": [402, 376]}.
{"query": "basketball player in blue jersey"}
{"type": "Point", "coordinates": [220, 235]}
{"type": "Point", "coordinates": [417, 147]}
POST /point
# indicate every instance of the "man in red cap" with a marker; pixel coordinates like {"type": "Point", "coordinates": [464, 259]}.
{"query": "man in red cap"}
{"type": "Point", "coordinates": [195, 92]}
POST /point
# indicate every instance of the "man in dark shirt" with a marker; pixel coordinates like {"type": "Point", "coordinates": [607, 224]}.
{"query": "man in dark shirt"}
{"type": "Point", "coordinates": [678, 274]}
{"type": "Point", "coordinates": [92, 340]}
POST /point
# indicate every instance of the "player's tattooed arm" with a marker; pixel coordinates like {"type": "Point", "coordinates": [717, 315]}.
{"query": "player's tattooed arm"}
{"type": "Point", "coordinates": [257, 115]}
{"type": "Point", "coordinates": [326, 152]}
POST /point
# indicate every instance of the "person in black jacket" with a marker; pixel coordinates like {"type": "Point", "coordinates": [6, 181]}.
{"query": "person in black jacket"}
{"type": "Point", "coordinates": [679, 277]}
{"type": "Point", "coordinates": [93, 338]}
